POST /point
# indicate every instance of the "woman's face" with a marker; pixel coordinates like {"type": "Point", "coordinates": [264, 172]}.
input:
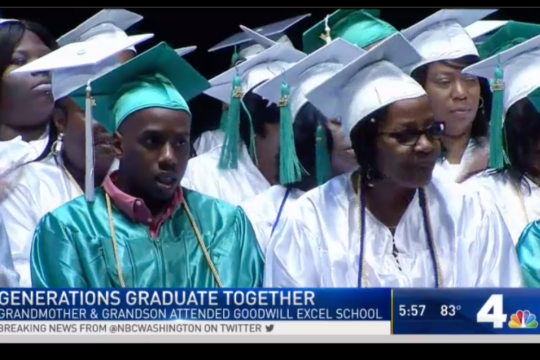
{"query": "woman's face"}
{"type": "Point", "coordinates": [408, 144]}
{"type": "Point", "coordinates": [455, 97]}
{"type": "Point", "coordinates": [71, 121]}
{"type": "Point", "coordinates": [27, 99]}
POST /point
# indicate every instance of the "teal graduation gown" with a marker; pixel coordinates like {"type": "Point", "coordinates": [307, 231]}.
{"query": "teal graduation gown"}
{"type": "Point", "coordinates": [73, 248]}
{"type": "Point", "coordinates": [528, 250]}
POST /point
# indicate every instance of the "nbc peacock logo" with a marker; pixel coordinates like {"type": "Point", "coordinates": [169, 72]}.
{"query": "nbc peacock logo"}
{"type": "Point", "coordinates": [523, 320]}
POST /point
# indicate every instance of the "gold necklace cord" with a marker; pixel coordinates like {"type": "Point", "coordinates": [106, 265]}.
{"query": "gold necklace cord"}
{"type": "Point", "coordinates": [197, 235]}
{"type": "Point", "coordinates": [427, 218]}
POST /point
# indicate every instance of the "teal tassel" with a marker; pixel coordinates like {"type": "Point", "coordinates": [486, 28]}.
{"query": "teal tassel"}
{"type": "Point", "coordinates": [322, 157]}
{"type": "Point", "coordinates": [229, 153]}
{"type": "Point", "coordinates": [223, 119]}
{"type": "Point", "coordinates": [290, 170]}
{"type": "Point", "coordinates": [496, 148]}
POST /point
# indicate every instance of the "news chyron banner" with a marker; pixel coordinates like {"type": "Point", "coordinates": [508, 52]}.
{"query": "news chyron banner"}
{"type": "Point", "coordinates": [269, 312]}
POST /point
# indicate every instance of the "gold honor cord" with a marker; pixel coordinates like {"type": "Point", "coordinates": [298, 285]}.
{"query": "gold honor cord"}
{"type": "Point", "coordinates": [197, 235]}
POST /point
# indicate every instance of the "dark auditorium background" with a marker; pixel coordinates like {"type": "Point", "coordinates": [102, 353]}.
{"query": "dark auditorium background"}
{"type": "Point", "coordinates": [205, 27]}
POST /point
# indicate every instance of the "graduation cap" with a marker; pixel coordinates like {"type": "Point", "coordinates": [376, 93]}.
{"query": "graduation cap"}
{"type": "Point", "coordinates": [106, 23]}
{"type": "Point", "coordinates": [73, 67]}
{"type": "Point", "coordinates": [369, 83]}
{"type": "Point", "coordinates": [292, 86]}
{"type": "Point", "coordinates": [514, 74]}
{"type": "Point", "coordinates": [480, 30]}
{"type": "Point", "coordinates": [5, 21]}
{"type": "Point", "coordinates": [231, 86]}
{"type": "Point", "coordinates": [247, 46]}
{"type": "Point", "coordinates": [361, 27]}
{"type": "Point", "coordinates": [510, 34]}
{"type": "Point", "coordinates": [442, 36]}
{"type": "Point", "coordinates": [185, 50]}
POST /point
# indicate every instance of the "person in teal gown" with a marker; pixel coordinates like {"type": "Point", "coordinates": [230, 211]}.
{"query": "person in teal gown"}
{"type": "Point", "coordinates": [141, 229]}
{"type": "Point", "coordinates": [528, 249]}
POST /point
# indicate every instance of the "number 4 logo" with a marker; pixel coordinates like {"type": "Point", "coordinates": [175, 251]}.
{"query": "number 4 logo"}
{"type": "Point", "coordinates": [492, 312]}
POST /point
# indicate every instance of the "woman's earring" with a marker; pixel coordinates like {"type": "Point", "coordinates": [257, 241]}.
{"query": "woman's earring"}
{"type": "Point", "coordinates": [57, 145]}
{"type": "Point", "coordinates": [481, 106]}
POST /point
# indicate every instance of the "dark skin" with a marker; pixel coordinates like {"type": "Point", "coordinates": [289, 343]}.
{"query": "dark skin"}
{"type": "Point", "coordinates": [268, 152]}
{"type": "Point", "coordinates": [153, 146]}
{"type": "Point", "coordinates": [70, 120]}
{"type": "Point", "coordinates": [404, 168]}
{"type": "Point", "coordinates": [455, 98]}
{"type": "Point", "coordinates": [26, 107]}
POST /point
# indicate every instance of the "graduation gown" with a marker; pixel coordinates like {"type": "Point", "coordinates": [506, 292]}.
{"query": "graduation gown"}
{"type": "Point", "coordinates": [73, 248]}
{"type": "Point", "coordinates": [43, 187]}
{"type": "Point", "coordinates": [318, 243]}
{"type": "Point", "coordinates": [519, 205]}
{"type": "Point", "coordinates": [8, 275]}
{"type": "Point", "coordinates": [444, 170]}
{"type": "Point", "coordinates": [528, 249]}
{"type": "Point", "coordinates": [209, 140]}
{"type": "Point", "coordinates": [233, 186]}
{"type": "Point", "coordinates": [263, 209]}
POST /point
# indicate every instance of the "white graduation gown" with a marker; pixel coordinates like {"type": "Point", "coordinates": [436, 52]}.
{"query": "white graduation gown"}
{"type": "Point", "coordinates": [16, 152]}
{"type": "Point", "coordinates": [43, 187]}
{"type": "Point", "coordinates": [520, 207]}
{"type": "Point", "coordinates": [233, 186]}
{"type": "Point", "coordinates": [444, 170]}
{"type": "Point", "coordinates": [209, 140]}
{"type": "Point", "coordinates": [262, 210]}
{"type": "Point", "coordinates": [8, 275]}
{"type": "Point", "coordinates": [318, 243]}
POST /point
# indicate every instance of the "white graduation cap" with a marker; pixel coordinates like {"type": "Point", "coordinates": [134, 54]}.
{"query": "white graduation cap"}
{"type": "Point", "coordinates": [249, 46]}
{"type": "Point", "coordinates": [73, 65]}
{"type": "Point", "coordinates": [369, 83]}
{"type": "Point", "coordinates": [308, 73]}
{"type": "Point", "coordinates": [108, 23]}
{"type": "Point", "coordinates": [254, 71]}
{"type": "Point", "coordinates": [185, 50]}
{"type": "Point", "coordinates": [442, 36]}
{"type": "Point", "coordinates": [521, 68]}
{"type": "Point", "coordinates": [483, 27]}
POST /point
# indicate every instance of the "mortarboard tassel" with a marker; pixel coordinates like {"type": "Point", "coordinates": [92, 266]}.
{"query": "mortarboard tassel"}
{"type": "Point", "coordinates": [496, 150]}
{"type": "Point", "coordinates": [225, 109]}
{"type": "Point", "coordinates": [229, 154]}
{"type": "Point", "coordinates": [89, 143]}
{"type": "Point", "coordinates": [322, 157]}
{"type": "Point", "coordinates": [290, 169]}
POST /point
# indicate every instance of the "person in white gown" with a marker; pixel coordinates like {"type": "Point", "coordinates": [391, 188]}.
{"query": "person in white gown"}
{"type": "Point", "coordinates": [514, 175]}
{"type": "Point", "coordinates": [312, 137]}
{"type": "Point", "coordinates": [60, 176]}
{"type": "Point", "coordinates": [460, 101]}
{"type": "Point", "coordinates": [245, 164]}
{"type": "Point", "coordinates": [8, 275]}
{"type": "Point", "coordinates": [26, 103]}
{"type": "Point", "coordinates": [246, 48]}
{"type": "Point", "coordinates": [390, 224]}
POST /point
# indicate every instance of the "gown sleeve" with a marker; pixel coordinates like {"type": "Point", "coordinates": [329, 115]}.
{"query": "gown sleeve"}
{"type": "Point", "coordinates": [251, 258]}
{"type": "Point", "coordinates": [293, 259]}
{"type": "Point", "coordinates": [498, 261]}
{"type": "Point", "coordinates": [8, 275]}
{"type": "Point", "coordinates": [54, 259]}
{"type": "Point", "coordinates": [528, 249]}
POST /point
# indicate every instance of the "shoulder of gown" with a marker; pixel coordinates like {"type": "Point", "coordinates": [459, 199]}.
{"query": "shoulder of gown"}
{"type": "Point", "coordinates": [8, 276]}
{"type": "Point", "coordinates": [293, 255]}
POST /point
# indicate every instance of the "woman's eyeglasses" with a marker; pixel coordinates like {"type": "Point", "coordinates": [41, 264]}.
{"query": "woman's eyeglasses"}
{"type": "Point", "coordinates": [410, 137]}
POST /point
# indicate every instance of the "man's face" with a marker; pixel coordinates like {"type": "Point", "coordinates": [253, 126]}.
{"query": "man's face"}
{"type": "Point", "coordinates": [153, 147]}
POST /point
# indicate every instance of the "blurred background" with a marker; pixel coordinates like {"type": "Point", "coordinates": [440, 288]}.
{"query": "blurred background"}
{"type": "Point", "coordinates": [205, 27]}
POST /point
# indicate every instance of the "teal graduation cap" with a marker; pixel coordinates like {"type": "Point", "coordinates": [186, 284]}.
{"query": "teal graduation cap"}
{"type": "Point", "coordinates": [514, 74]}
{"type": "Point", "coordinates": [160, 60]}
{"type": "Point", "coordinates": [361, 27]}
{"type": "Point", "coordinates": [512, 33]}
{"type": "Point", "coordinates": [481, 30]}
